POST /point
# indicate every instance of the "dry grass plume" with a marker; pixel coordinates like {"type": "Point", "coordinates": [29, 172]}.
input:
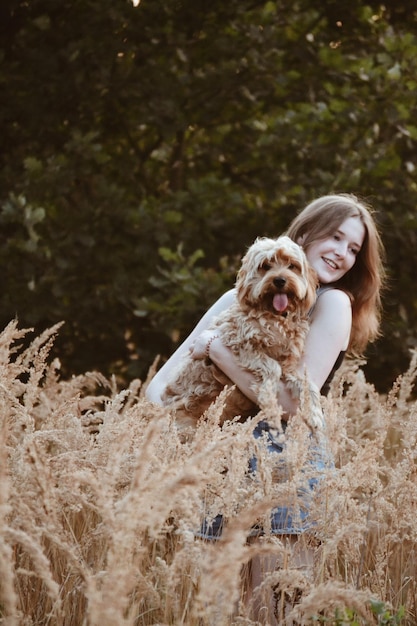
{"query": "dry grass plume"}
{"type": "Point", "coordinates": [99, 501]}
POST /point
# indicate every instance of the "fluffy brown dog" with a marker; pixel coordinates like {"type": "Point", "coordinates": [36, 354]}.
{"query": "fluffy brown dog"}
{"type": "Point", "coordinates": [265, 329]}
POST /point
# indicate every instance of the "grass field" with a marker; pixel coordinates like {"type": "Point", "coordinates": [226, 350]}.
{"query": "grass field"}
{"type": "Point", "coordinates": [99, 500]}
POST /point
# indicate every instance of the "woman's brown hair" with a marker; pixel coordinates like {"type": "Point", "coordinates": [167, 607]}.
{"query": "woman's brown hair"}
{"type": "Point", "coordinates": [365, 279]}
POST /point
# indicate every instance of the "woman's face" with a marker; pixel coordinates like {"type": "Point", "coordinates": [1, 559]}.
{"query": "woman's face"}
{"type": "Point", "coordinates": [335, 255]}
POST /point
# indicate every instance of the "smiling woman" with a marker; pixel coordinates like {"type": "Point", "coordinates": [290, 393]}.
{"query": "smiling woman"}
{"type": "Point", "coordinates": [363, 279]}
{"type": "Point", "coordinates": [341, 242]}
{"type": "Point", "coordinates": [346, 316]}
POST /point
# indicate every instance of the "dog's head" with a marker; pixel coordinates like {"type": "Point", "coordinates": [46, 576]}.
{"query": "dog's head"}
{"type": "Point", "coordinates": [275, 276]}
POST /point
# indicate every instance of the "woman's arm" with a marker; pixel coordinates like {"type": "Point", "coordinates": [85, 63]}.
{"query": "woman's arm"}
{"type": "Point", "coordinates": [329, 334]}
{"type": "Point", "coordinates": [158, 383]}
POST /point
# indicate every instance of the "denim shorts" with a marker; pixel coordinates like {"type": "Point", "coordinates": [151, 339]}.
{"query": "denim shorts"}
{"type": "Point", "coordinates": [285, 519]}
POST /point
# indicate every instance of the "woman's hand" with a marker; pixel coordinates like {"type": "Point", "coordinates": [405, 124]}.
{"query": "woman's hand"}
{"type": "Point", "coordinates": [200, 347]}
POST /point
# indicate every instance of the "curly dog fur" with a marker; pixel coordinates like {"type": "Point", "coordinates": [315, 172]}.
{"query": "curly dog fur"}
{"type": "Point", "coordinates": [265, 329]}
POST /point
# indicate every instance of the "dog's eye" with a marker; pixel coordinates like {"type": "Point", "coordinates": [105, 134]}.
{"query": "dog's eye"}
{"type": "Point", "coordinates": [266, 266]}
{"type": "Point", "coordinates": [294, 267]}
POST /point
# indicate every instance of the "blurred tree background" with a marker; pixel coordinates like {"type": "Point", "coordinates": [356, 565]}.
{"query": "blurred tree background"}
{"type": "Point", "coordinates": [144, 148]}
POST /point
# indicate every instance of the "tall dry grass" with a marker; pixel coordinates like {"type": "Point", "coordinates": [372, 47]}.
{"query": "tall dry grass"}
{"type": "Point", "coordinates": [99, 501]}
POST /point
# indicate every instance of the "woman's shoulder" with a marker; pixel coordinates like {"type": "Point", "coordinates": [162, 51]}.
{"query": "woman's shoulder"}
{"type": "Point", "coordinates": [226, 300]}
{"type": "Point", "coordinates": [332, 303]}
{"type": "Point", "coordinates": [229, 297]}
{"type": "Point", "coordinates": [332, 317]}
{"type": "Point", "coordinates": [330, 293]}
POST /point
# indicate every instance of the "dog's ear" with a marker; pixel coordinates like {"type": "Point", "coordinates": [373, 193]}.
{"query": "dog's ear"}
{"type": "Point", "coordinates": [312, 285]}
{"type": "Point", "coordinates": [248, 272]}
{"type": "Point", "coordinates": [241, 284]}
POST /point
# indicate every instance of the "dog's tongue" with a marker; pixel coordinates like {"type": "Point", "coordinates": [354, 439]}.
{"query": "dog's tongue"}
{"type": "Point", "coordinates": [280, 302]}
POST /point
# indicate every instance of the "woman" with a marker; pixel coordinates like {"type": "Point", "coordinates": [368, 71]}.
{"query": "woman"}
{"type": "Point", "coordinates": [341, 242]}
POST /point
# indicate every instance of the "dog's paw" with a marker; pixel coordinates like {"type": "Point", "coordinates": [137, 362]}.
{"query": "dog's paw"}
{"type": "Point", "coordinates": [268, 399]}
{"type": "Point", "coordinates": [316, 417]}
{"type": "Point", "coordinates": [310, 402]}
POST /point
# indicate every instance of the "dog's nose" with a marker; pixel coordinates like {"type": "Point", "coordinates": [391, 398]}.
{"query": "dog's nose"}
{"type": "Point", "coordinates": [279, 282]}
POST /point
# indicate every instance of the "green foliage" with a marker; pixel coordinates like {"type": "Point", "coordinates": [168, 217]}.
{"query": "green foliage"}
{"type": "Point", "coordinates": [384, 614]}
{"type": "Point", "coordinates": [192, 126]}
{"type": "Point", "coordinates": [348, 617]}
{"type": "Point", "coordinates": [180, 287]}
